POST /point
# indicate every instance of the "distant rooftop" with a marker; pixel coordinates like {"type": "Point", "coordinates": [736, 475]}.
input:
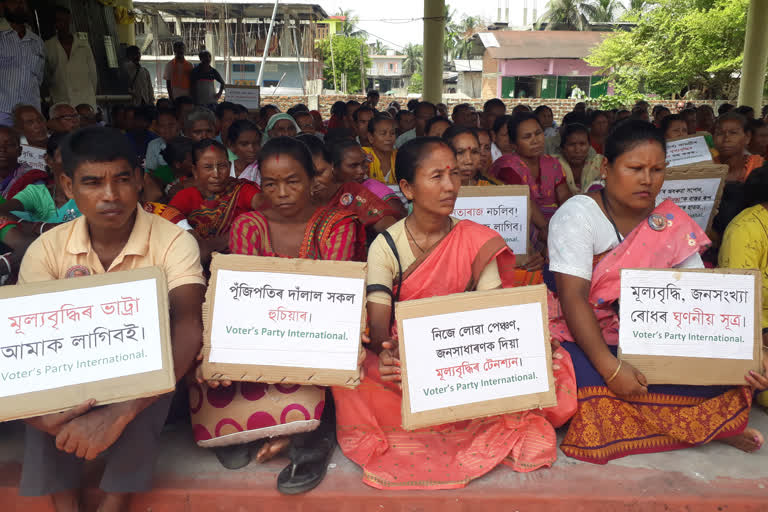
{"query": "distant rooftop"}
{"type": "Point", "coordinates": [550, 44]}
{"type": "Point", "coordinates": [233, 9]}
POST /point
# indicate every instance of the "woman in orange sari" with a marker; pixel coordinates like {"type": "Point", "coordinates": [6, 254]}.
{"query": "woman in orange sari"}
{"type": "Point", "coordinates": [431, 254]}
{"type": "Point", "coordinates": [592, 237]}
{"type": "Point", "coordinates": [216, 199]}
{"type": "Point", "coordinates": [328, 188]}
{"type": "Point", "coordinates": [229, 415]}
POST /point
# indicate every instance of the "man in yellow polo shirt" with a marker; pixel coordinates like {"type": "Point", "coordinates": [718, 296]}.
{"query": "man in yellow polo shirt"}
{"type": "Point", "coordinates": [113, 234]}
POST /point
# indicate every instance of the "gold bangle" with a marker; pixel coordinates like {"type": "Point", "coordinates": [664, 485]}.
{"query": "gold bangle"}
{"type": "Point", "coordinates": [615, 373]}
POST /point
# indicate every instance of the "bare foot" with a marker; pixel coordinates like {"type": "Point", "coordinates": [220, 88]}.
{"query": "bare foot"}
{"type": "Point", "coordinates": [272, 448]}
{"type": "Point", "coordinates": [748, 441]}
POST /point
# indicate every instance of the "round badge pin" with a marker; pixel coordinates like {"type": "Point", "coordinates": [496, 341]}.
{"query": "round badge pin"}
{"type": "Point", "coordinates": [657, 222]}
{"type": "Point", "coordinates": [346, 199]}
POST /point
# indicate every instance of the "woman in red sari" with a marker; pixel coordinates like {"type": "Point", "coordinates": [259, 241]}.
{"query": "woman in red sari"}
{"type": "Point", "coordinates": [439, 255]}
{"type": "Point", "coordinates": [216, 199]}
{"type": "Point", "coordinates": [592, 238]}
{"type": "Point", "coordinates": [374, 214]}
{"type": "Point", "coordinates": [238, 413]}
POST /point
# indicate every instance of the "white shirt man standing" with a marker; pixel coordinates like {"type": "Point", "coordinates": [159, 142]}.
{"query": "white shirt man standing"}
{"type": "Point", "coordinates": [70, 69]}
{"type": "Point", "coordinates": [22, 61]}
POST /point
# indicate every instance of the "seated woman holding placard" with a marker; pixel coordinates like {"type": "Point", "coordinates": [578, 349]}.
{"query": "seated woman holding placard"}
{"type": "Point", "coordinates": [329, 188]}
{"type": "Point", "coordinates": [231, 414]}
{"type": "Point", "coordinates": [465, 144]}
{"type": "Point", "coordinates": [592, 237]}
{"type": "Point", "coordinates": [430, 254]}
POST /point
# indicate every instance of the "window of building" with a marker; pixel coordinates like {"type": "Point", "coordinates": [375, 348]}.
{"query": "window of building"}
{"type": "Point", "coordinates": [243, 68]}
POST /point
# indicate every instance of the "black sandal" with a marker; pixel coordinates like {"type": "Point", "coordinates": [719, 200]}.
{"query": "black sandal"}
{"type": "Point", "coordinates": [309, 454]}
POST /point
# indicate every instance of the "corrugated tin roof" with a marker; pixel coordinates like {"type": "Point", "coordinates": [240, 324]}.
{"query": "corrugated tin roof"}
{"type": "Point", "coordinates": [543, 44]}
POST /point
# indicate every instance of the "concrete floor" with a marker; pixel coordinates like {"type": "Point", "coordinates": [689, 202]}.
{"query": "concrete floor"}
{"type": "Point", "coordinates": [713, 477]}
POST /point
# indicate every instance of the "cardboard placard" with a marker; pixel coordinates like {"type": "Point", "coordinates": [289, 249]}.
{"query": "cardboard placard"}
{"type": "Point", "coordinates": [688, 150]}
{"type": "Point", "coordinates": [33, 157]}
{"type": "Point", "coordinates": [476, 354]}
{"type": "Point", "coordinates": [284, 320]}
{"type": "Point", "coordinates": [105, 337]}
{"type": "Point", "coordinates": [504, 209]}
{"type": "Point", "coordinates": [248, 96]}
{"type": "Point", "coordinates": [696, 327]}
{"type": "Point", "coordinates": [697, 189]}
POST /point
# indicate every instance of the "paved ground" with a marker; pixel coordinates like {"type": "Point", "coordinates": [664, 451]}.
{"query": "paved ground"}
{"type": "Point", "coordinates": [714, 477]}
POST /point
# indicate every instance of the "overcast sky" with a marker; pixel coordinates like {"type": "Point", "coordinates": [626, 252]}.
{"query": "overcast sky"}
{"type": "Point", "coordinates": [398, 32]}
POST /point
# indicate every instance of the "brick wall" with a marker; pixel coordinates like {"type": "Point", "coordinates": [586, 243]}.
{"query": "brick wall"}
{"type": "Point", "coordinates": [559, 107]}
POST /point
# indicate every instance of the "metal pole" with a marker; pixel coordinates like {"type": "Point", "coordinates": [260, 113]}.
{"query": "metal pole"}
{"type": "Point", "coordinates": [362, 69]}
{"type": "Point", "coordinates": [755, 56]}
{"type": "Point", "coordinates": [298, 59]}
{"type": "Point", "coordinates": [266, 45]}
{"type": "Point", "coordinates": [333, 65]}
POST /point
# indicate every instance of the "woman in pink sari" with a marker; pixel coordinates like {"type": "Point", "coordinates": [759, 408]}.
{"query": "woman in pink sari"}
{"type": "Point", "coordinates": [428, 254]}
{"type": "Point", "coordinates": [529, 165]}
{"type": "Point", "coordinates": [592, 237]}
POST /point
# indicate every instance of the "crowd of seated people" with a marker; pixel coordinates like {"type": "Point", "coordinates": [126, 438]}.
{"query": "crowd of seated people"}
{"type": "Point", "coordinates": [379, 185]}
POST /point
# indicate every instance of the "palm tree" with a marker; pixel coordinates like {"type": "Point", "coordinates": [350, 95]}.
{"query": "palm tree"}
{"type": "Point", "coordinates": [469, 26]}
{"type": "Point", "coordinates": [413, 54]}
{"type": "Point", "coordinates": [379, 48]}
{"type": "Point", "coordinates": [603, 11]}
{"type": "Point", "coordinates": [451, 34]}
{"type": "Point", "coordinates": [348, 26]}
{"type": "Point", "coordinates": [565, 13]}
{"type": "Point", "coordinates": [638, 5]}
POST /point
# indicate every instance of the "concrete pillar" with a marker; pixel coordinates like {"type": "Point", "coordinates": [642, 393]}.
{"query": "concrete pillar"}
{"type": "Point", "coordinates": [434, 31]}
{"type": "Point", "coordinates": [126, 33]}
{"type": "Point", "coordinates": [755, 56]}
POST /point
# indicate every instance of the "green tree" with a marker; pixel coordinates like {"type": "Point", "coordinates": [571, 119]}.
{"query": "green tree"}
{"type": "Point", "coordinates": [678, 46]}
{"type": "Point", "coordinates": [416, 83]}
{"type": "Point", "coordinates": [346, 57]}
{"type": "Point", "coordinates": [603, 11]}
{"type": "Point", "coordinates": [413, 59]}
{"type": "Point", "coordinates": [565, 15]}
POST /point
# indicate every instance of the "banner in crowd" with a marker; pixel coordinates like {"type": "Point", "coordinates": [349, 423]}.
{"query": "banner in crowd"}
{"type": "Point", "coordinates": [473, 355]}
{"type": "Point", "coordinates": [697, 327]}
{"type": "Point", "coordinates": [502, 208]}
{"type": "Point", "coordinates": [104, 337]}
{"type": "Point", "coordinates": [245, 95]}
{"type": "Point", "coordinates": [688, 150]}
{"type": "Point", "coordinates": [292, 321]}
{"type": "Point", "coordinates": [33, 157]}
{"type": "Point", "coordinates": [696, 189]}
